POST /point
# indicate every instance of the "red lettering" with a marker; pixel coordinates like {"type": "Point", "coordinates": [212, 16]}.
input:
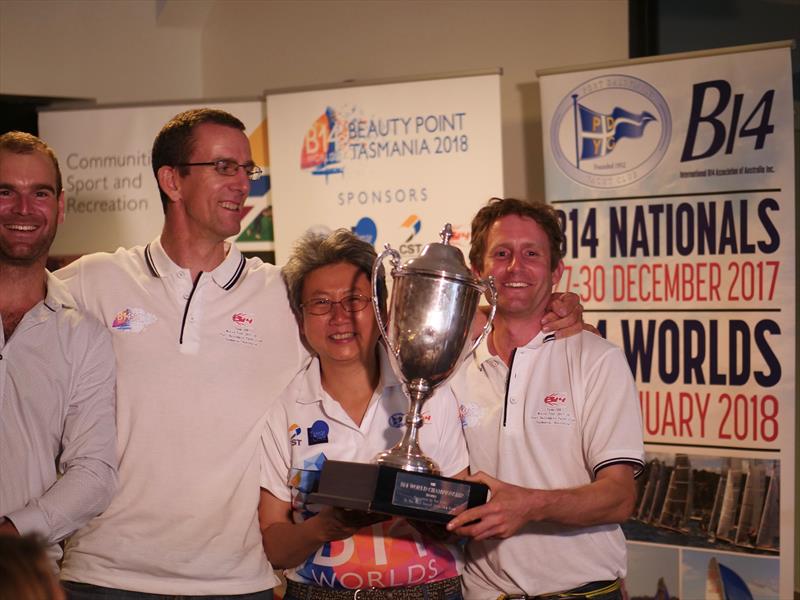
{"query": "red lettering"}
{"type": "Point", "coordinates": [618, 276]}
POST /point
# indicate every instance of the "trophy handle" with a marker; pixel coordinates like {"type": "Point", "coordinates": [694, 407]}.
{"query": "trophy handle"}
{"type": "Point", "coordinates": [396, 263]}
{"type": "Point", "coordinates": [489, 283]}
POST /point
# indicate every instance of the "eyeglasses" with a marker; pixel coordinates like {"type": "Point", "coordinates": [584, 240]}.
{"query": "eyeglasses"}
{"type": "Point", "coordinates": [322, 306]}
{"type": "Point", "coordinates": [228, 167]}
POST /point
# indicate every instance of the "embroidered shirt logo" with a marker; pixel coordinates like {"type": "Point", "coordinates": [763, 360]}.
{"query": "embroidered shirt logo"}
{"type": "Point", "coordinates": [242, 319]}
{"type": "Point", "coordinates": [318, 433]}
{"type": "Point", "coordinates": [133, 320]}
{"type": "Point", "coordinates": [470, 414]}
{"type": "Point", "coordinates": [555, 410]}
{"type": "Point", "coordinates": [396, 420]}
{"type": "Point", "coordinates": [555, 399]}
{"type": "Point", "coordinates": [294, 434]}
{"type": "Point", "coordinates": [243, 330]}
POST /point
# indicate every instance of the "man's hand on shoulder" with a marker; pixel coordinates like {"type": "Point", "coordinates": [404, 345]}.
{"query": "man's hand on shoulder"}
{"type": "Point", "coordinates": [506, 512]}
{"type": "Point", "coordinates": [564, 315]}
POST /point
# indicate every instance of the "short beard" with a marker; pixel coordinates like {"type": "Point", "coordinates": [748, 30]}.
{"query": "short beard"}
{"type": "Point", "coordinates": [35, 254]}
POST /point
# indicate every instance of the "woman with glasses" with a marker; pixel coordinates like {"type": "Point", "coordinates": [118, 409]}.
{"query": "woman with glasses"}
{"type": "Point", "coordinates": [348, 405]}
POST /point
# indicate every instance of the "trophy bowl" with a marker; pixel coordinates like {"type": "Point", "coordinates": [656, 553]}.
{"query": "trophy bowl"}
{"type": "Point", "coordinates": [434, 300]}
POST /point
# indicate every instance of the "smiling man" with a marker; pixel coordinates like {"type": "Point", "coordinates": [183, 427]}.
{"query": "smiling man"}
{"type": "Point", "coordinates": [552, 426]}
{"type": "Point", "coordinates": [204, 341]}
{"type": "Point", "coordinates": [56, 366]}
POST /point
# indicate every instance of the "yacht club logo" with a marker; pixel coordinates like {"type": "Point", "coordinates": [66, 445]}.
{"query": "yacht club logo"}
{"type": "Point", "coordinates": [610, 131]}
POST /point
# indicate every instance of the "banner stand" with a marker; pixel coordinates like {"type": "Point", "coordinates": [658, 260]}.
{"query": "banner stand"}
{"type": "Point", "coordinates": [675, 180]}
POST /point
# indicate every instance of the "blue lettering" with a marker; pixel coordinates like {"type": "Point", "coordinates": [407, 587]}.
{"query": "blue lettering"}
{"type": "Point", "coordinates": [696, 117]}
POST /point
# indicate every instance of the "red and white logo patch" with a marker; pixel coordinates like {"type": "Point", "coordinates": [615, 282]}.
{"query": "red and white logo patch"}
{"type": "Point", "coordinates": [242, 319]}
{"type": "Point", "coordinates": [555, 410]}
{"type": "Point", "coordinates": [555, 399]}
{"type": "Point", "coordinates": [243, 331]}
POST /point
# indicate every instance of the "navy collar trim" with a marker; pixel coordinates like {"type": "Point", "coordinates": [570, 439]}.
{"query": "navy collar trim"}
{"type": "Point", "coordinates": [236, 275]}
{"type": "Point", "coordinates": [148, 258]}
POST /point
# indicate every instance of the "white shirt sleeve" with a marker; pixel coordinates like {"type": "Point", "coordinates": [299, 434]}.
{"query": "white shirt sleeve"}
{"type": "Point", "coordinates": [612, 429]}
{"type": "Point", "coordinates": [276, 459]}
{"type": "Point", "coordinates": [88, 461]}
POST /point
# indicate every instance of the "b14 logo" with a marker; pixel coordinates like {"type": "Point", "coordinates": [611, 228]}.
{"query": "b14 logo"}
{"type": "Point", "coordinates": [712, 124]}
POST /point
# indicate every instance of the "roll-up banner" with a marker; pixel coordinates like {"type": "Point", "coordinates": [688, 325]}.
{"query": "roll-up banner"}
{"type": "Point", "coordinates": [674, 179]}
{"type": "Point", "coordinates": [110, 192]}
{"type": "Point", "coordinates": [393, 162]}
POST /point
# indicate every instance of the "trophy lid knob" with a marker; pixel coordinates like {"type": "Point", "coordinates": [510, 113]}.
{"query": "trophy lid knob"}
{"type": "Point", "coordinates": [441, 260]}
{"type": "Point", "coordinates": [446, 233]}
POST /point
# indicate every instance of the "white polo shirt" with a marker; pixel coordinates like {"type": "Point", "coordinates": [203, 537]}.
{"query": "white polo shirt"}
{"type": "Point", "coordinates": [309, 427]}
{"type": "Point", "coordinates": [198, 365]}
{"type": "Point", "coordinates": [566, 409]}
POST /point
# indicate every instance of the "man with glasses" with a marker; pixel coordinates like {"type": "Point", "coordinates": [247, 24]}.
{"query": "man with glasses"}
{"type": "Point", "coordinates": [57, 436]}
{"type": "Point", "coordinates": [204, 341]}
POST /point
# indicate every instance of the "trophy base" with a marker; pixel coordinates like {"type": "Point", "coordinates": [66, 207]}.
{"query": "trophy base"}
{"type": "Point", "coordinates": [392, 491]}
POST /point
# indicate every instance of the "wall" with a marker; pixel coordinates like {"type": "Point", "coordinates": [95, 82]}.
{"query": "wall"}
{"type": "Point", "coordinates": [112, 51]}
{"type": "Point", "coordinates": [149, 50]}
{"type": "Point", "coordinates": [252, 46]}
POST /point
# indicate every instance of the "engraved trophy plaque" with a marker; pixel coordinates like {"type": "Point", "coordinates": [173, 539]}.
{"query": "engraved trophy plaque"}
{"type": "Point", "coordinates": [434, 299]}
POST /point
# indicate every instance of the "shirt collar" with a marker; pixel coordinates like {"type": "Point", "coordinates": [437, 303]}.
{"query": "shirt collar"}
{"type": "Point", "coordinates": [388, 376]}
{"type": "Point", "coordinates": [312, 391]}
{"type": "Point", "coordinates": [482, 353]}
{"type": "Point", "coordinates": [58, 295]}
{"type": "Point", "coordinates": [225, 275]}
{"type": "Point", "coordinates": [539, 340]}
{"type": "Point", "coordinates": [311, 388]}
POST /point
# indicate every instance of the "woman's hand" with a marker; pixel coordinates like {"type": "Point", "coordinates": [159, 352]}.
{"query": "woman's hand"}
{"type": "Point", "coordinates": [333, 523]}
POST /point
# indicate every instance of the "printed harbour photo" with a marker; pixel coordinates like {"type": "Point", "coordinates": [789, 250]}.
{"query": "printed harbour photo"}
{"type": "Point", "coordinates": [723, 503]}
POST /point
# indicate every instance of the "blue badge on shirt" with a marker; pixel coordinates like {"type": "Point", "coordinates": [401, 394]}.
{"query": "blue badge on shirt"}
{"type": "Point", "coordinates": [318, 433]}
{"type": "Point", "coordinates": [396, 420]}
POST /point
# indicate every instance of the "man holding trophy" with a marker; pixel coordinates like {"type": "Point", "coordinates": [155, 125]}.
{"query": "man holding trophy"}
{"type": "Point", "coordinates": [553, 427]}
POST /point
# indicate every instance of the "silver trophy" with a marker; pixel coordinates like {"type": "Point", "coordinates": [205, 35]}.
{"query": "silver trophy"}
{"type": "Point", "coordinates": [433, 302]}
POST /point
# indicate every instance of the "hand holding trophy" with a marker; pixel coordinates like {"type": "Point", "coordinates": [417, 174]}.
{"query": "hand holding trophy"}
{"type": "Point", "coordinates": [434, 299]}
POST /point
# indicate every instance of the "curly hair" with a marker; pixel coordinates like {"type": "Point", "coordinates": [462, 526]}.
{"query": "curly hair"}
{"type": "Point", "coordinates": [544, 214]}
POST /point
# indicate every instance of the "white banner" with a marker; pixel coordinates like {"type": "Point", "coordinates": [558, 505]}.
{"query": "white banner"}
{"type": "Point", "coordinates": [111, 194]}
{"type": "Point", "coordinates": [675, 180]}
{"type": "Point", "coordinates": [392, 162]}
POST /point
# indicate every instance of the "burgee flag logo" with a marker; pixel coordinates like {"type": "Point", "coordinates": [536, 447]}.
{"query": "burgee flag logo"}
{"type": "Point", "coordinates": [610, 131]}
{"type": "Point", "coordinates": [599, 133]}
